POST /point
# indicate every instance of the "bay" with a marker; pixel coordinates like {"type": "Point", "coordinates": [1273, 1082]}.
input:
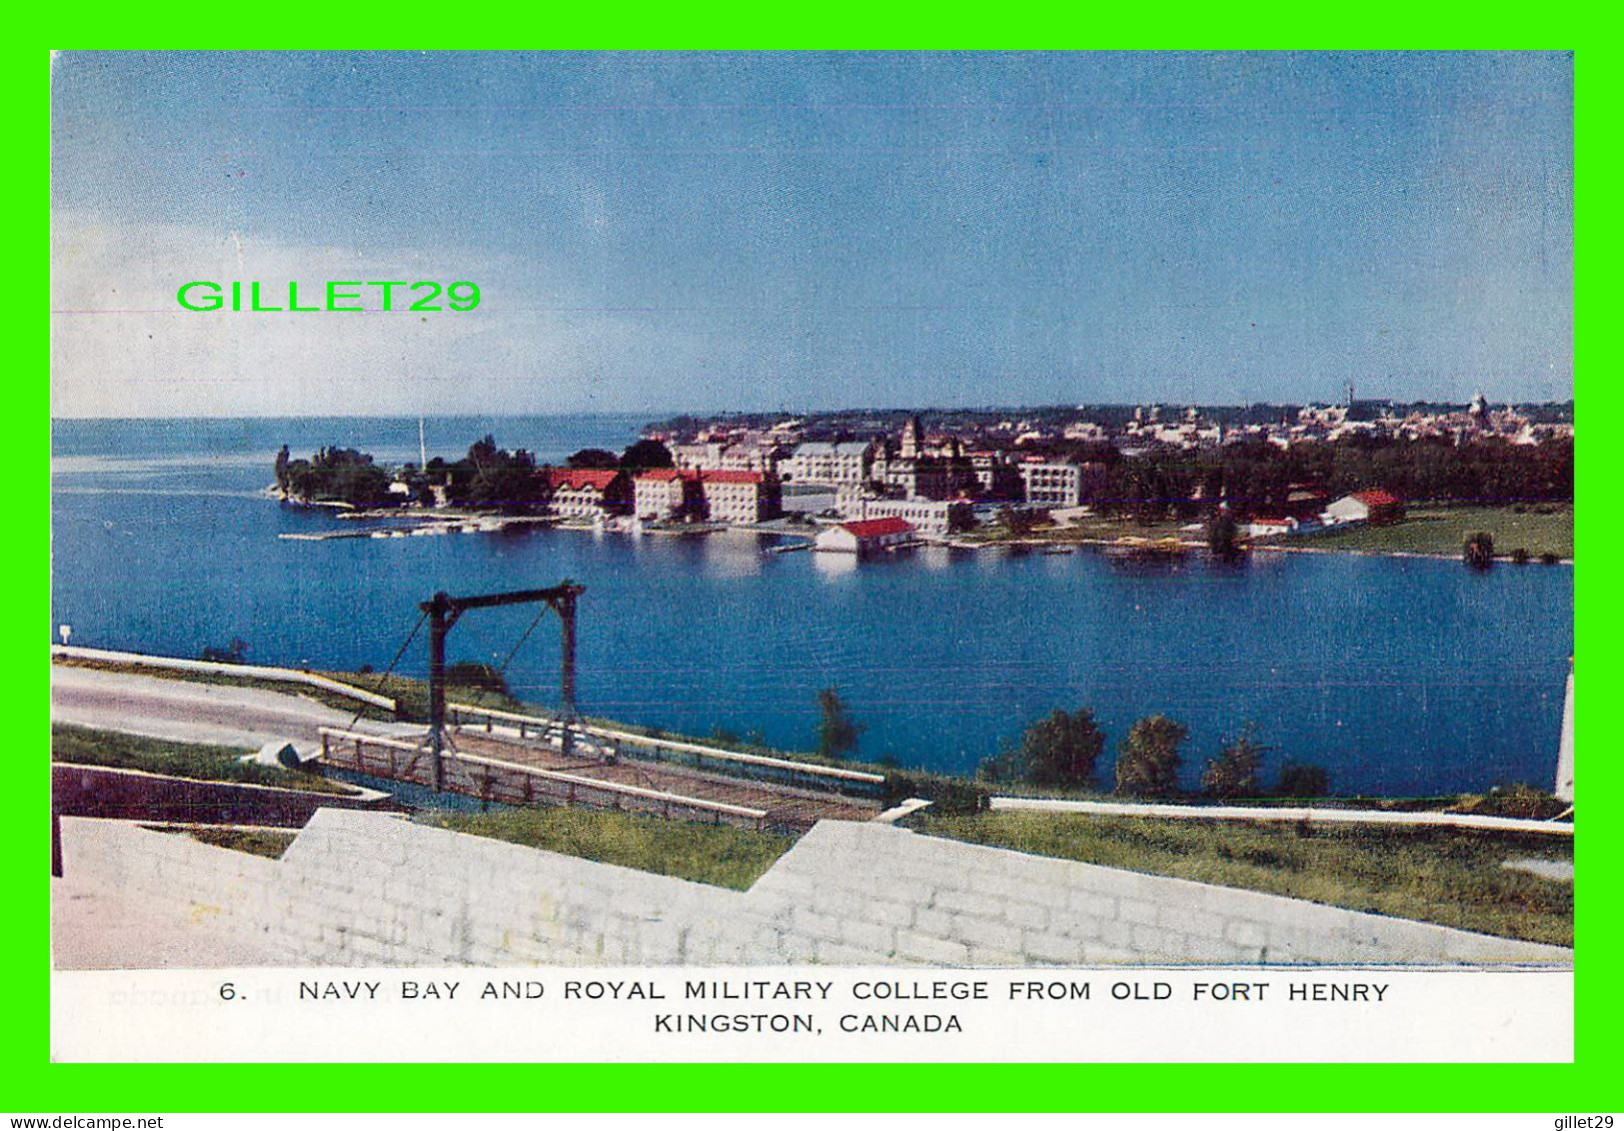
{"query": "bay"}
{"type": "Point", "coordinates": [1400, 676]}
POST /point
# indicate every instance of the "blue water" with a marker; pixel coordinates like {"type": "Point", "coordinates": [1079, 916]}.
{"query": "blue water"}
{"type": "Point", "coordinates": [1400, 676]}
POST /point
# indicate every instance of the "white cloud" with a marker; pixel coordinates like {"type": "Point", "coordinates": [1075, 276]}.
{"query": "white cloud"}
{"type": "Point", "coordinates": [122, 345]}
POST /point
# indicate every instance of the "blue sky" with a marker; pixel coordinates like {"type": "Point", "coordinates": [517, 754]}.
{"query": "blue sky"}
{"type": "Point", "coordinates": [679, 232]}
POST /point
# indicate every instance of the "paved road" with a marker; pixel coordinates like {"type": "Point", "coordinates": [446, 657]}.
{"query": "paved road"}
{"type": "Point", "coordinates": [194, 712]}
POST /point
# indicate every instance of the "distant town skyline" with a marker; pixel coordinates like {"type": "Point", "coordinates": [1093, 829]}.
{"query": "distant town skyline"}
{"type": "Point", "coordinates": [668, 233]}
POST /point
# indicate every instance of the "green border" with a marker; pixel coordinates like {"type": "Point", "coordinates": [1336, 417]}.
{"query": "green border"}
{"type": "Point", "coordinates": [32, 1084]}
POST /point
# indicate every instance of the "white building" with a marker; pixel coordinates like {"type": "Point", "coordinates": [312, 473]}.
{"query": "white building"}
{"type": "Point", "coordinates": [663, 493]}
{"type": "Point", "coordinates": [583, 493]}
{"type": "Point", "coordinates": [1087, 430]}
{"type": "Point", "coordinates": [750, 457]}
{"type": "Point", "coordinates": [1374, 506]}
{"type": "Point", "coordinates": [932, 518]}
{"type": "Point", "coordinates": [698, 455]}
{"type": "Point", "coordinates": [829, 464]}
{"type": "Point", "coordinates": [865, 536]}
{"type": "Point", "coordinates": [1052, 484]}
{"type": "Point", "coordinates": [740, 498]}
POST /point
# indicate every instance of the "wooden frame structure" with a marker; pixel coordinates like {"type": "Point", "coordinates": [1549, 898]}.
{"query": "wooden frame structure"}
{"type": "Point", "coordinates": [443, 610]}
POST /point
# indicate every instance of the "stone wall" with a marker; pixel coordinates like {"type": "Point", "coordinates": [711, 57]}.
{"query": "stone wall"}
{"type": "Point", "coordinates": [359, 888]}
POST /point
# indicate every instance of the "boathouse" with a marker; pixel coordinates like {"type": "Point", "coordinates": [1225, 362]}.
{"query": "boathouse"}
{"type": "Point", "coordinates": [866, 536]}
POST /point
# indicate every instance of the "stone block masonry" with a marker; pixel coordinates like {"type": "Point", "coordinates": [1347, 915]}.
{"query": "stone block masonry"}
{"type": "Point", "coordinates": [360, 888]}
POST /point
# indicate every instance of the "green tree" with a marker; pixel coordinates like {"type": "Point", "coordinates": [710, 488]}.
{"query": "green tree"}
{"type": "Point", "coordinates": [1479, 550]}
{"type": "Point", "coordinates": [646, 455]}
{"type": "Point", "coordinates": [282, 461]}
{"type": "Point", "coordinates": [1234, 773]}
{"type": "Point", "coordinates": [1298, 779]}
{"type": "Point", "coordinates": [1018, 522]}
{"type": "Point", "coordinates": [837, 730]}
{"type": "Point", "coordinates": [1060, 750]}
{"type": "Point", "coordinates": [593, 459]}
{"type": "Point", "coordinates": [1148, 760]}
{"type": "Point", "coordinates": [999, 767]}
{"type": "Point", "coordinates": [1223, 536]}
{"type": "Point", "coordinates": [494, 477]}
{"type": "Point", "coordinates": [337, 474]}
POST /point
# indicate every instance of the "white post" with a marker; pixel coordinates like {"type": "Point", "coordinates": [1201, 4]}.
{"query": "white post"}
{"type": "Point", "coordinates": [1564, 752]}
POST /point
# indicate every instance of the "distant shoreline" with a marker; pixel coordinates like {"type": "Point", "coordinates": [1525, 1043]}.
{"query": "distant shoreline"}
{"type": "Point", "coordinates": [492, 521]}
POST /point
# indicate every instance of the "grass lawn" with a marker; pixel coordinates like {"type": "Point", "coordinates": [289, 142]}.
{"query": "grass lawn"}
{"type": "Point", "coordinates": [255, 842]}
{"type": "Point", "coordinates": [85, 747]}
{"type": "Point", "coordinates": [711, 854]}
{"type": "Point", "coordinates": [1443, 530]}
{"type": "Point", "coordinates": [1448, 876]}
{"type": "Point", "coordinates": [1088, 528]}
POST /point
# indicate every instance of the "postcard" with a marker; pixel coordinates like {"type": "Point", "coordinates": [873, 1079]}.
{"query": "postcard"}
{"type": "Point", "coordinates": [828, 556]}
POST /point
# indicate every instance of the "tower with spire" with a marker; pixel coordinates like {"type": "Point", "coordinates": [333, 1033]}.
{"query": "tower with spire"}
{"type": "Point", "coordinates": [913, 436]}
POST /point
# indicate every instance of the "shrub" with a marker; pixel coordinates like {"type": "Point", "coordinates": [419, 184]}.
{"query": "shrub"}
{"type": "Point", "coordinates": [1478, 552]}
{"type": "Point", "coordinates": [1549, 558]}
{"type": "Point", "coordinates": [1060, 750]}
{"type": "Point", "coordinates": [1148, 760]}
{"type": "Point", "coordinates": [1299, 779]}
{"type": "Point", "coordinates": [838, 732]}
{"type": "Point", "coordinates": [949, 797]}
{"type": "Point", "coordinates": [999, 767]}
{"type": "Point", "coordinates": [480, 677]}
{"type": "Point", "coordinates": [1223, 537]}
{"type": "Point", "coordinates": [1518, 800]}
{"type": "Point", "coordinates": [1234, 773]}
{"type": "Point", "coordinates": [234, 653]}
{"type": "Point", "coordinates": [1519, 556]}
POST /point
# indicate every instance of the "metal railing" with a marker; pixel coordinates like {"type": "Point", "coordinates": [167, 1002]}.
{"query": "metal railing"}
{"type": "Point", "coordinates": [827, 775]}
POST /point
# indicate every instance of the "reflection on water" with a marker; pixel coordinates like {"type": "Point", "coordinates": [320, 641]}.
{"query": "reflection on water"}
{"type": "Point", "coordinates": [833, 566]}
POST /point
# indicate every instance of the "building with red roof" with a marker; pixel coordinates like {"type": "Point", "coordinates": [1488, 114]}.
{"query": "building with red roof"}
{"type": "Point", "coordinates": [579, 492]}
{"type": "Point", "coordinates": [865, 536]}
{"type": "Point", "coordinates": [1375, 506]}
{"type": "Point", "coordinates": [737, 498]}
{"type": "Point", "coordinates": [740, 498]}
{"type": "Point", "coordinates": [666, 493]}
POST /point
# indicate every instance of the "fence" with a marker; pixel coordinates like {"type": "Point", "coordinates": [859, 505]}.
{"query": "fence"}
{"type": "Point", "coordinates": [512, 783]}
{"type": "Point", "coordinates": [696, 754]}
